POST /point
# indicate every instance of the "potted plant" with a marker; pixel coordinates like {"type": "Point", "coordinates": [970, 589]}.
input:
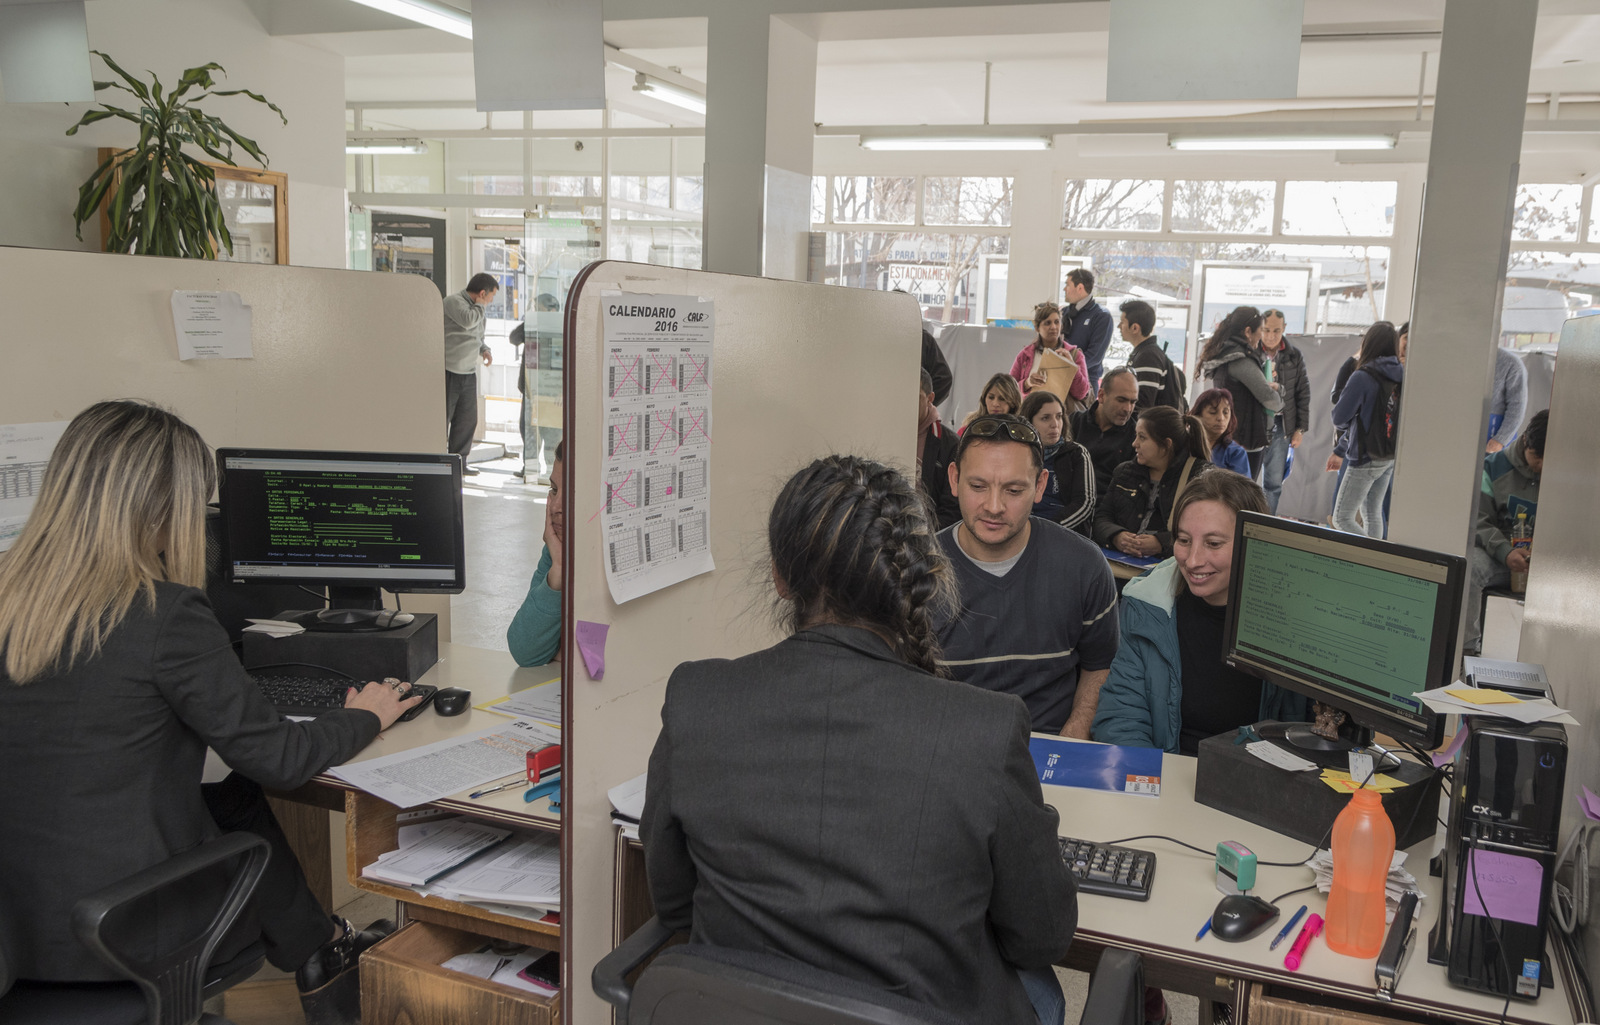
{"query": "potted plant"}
{"type": "Point", "coordinates": [159, 200]}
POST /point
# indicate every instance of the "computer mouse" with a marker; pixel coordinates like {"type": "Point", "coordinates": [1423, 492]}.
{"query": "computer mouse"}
{"type": "Point", "coordinates": [1239, 916]}
{"type": "Point", "coordinates": [455, 700]}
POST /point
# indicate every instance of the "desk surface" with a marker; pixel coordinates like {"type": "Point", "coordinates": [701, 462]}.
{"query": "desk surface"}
{"type": "Point", "coordinates": [1184, 895]}
{"type": "Point", "coordinates": [490, 676]}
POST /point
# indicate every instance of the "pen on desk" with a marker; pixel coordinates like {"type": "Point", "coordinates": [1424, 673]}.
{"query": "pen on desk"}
{"type": "Point", "coordinates": [1203, 930]}
{"type": "Point", "coordinates": [1313, 926]}
{"type": "Point", "coordinates": [1287, 929]}
{"type": "Point", "coordinates": [504, 786]}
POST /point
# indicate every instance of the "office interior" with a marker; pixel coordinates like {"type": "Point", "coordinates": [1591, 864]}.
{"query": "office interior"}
{"type": "Point", "coordinates": [1478, 219]}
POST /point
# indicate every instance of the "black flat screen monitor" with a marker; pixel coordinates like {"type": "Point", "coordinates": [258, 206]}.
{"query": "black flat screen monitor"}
{"type": "Point", "coordinates": [353, 522]}
{"type": "Point", "coordinates": [1359, 624]}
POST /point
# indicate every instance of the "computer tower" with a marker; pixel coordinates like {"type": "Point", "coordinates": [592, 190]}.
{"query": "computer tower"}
{"type": "Point", "coordinates": [1505, 816]}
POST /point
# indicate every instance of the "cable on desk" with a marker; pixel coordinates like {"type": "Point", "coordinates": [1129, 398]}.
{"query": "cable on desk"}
{"type": "Point", "coordinates": [1169, 839]}
{"type": "Point", "coordinates": [308, 665]}
{"type": "Point", "coordinates": [1291, 893]}
{"type": "Point", "coordinates": [315, 594]}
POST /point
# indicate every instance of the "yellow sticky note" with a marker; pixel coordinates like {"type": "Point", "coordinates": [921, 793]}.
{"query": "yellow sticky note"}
{"type": "Point", "coordinates": [1340, 780]}
{"type": "Point", "coordinates": [1483, 696]}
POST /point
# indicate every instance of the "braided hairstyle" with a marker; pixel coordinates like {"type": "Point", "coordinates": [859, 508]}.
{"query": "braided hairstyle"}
{"type": "Point", "coordinates": [852, 542]}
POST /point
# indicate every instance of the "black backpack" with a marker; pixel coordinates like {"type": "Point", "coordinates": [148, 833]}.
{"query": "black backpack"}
{"type": "Point", "coordinates": [1383, 427]}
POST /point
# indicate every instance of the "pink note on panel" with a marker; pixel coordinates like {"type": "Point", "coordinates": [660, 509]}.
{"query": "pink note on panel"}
{"type": "Point", "coordinates": [592, 645]}
{"type": "Point", "coordinates": [1509, 883]}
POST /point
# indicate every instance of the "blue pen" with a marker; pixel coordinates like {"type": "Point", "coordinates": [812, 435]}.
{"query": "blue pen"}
{"type": "Point", "coordinates": [1286, 929]}
{"type": "Point", "coordinates": [1203, 930]}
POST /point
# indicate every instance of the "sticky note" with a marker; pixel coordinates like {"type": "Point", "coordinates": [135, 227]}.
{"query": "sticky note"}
{"type": "Point", "coordinates": [1483, 696]}
{"type": "Point", "coordinates": [592, 645]}
{"type": "Point", "coordinates": [1341, 781]}
{"type": "Point", "coordinates": [1590, 803]}
{"type": "Point", "coordinates": [1449, 753]}
{"type": "Point", "coordinates": [1503, 886]}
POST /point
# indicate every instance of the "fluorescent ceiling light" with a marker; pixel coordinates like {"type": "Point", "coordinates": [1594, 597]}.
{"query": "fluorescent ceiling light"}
{"type": "Point", "coordinates": [955, 142]}
{"type": "Point", "coordinates": [1280, 142]}
{"type": "Point", "coordinates": [427, 12]}
{"type": "Point", "coordinates": [668, 93]}
{"type": "Point", "coordinates": [389, 147]}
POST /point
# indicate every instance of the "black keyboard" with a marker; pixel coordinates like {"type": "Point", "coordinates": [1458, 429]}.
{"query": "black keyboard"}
{"type": "Point", "coordinates": [1109, 871]}
{"type": "Point", "coordinates": [313, 695]}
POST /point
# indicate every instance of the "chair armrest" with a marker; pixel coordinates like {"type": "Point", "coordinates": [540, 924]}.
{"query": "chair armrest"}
{"type": "Point", "coordinates": [611, 973]}
{"type": "Point", "coordinates": [1116, 990]}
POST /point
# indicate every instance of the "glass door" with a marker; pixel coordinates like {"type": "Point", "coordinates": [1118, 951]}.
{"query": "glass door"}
{"type": "Point", "coordinates": [556, 248]}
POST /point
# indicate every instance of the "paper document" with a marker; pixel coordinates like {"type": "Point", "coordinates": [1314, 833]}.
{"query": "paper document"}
{"type": "Point", "coordinates": [211, 325]}
{"type": "Point", "coordinates": [1272, 754]}
{"type": "Point", "coordinates": [542, 702]}
{"type": "Point", "coordinates": [1395, 887]}
{"type": "Point", "coordinates": [24, 451]}
{"type": "Point", "coordinates": [1079, 763]}
{"type": "Point", "coordinates": [501, 970]}
{"type": "Point", "coordinates": [1537, 710]}
{"type": "Point", "coordinates": [435, 771]}
{"type": "Point", "coordinates": [274, 627]}
{"type": "Point", "coordinates": [525, 871]}
{"type": "Point", "coordinates": [434, 852]}
{"type": "Point", "coordinates": [656, 452]}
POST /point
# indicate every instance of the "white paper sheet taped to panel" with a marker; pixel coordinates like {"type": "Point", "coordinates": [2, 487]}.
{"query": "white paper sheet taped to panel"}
{"type": "Point", "coordinates": [24, 451]}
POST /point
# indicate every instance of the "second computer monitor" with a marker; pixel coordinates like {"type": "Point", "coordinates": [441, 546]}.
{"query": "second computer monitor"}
{"type": "Point", "coordinates": [1359, 624]}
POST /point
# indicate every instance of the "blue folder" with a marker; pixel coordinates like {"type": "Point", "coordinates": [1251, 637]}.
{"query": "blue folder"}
{"type": "Point", "coordinates": [1077, 763]}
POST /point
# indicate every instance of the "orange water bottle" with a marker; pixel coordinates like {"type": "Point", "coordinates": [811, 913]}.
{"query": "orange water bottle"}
{"type": "Point", "coordinates": [1363, 846]}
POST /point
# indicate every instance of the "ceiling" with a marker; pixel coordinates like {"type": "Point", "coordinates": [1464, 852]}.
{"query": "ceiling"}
{"type": "Point", "coordinates": [912, 66]}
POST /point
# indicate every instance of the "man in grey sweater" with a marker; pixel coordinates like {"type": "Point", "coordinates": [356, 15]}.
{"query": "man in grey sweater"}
{"type": "Point", "coordinates": [464, 322]}
{"type": "Point", "coordinates": [1508, 399]}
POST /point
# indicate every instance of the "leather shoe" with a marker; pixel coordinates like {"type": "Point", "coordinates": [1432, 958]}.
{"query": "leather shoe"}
{"type": "Point", "coordinates": [330, 988]}
{"type": "Point", "coordinates": [468, 471]}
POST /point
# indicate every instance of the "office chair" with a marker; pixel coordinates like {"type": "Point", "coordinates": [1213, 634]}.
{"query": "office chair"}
{"type": "Point", "coordinates": [692, 984]}
{"type": "Point", "coordinates": [167, 987]}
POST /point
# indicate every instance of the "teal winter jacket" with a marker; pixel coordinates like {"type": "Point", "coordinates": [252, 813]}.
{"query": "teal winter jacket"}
{"type": "Point", "coordinates": [1141, 702]}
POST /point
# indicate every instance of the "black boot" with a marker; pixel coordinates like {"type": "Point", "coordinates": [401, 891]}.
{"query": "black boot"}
{"type": "Point", "coordinates": [330, 986]}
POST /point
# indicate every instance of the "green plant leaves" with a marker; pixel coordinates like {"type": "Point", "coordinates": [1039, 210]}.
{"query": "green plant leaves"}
{"type": "Point", "coordinates": [158, 199]}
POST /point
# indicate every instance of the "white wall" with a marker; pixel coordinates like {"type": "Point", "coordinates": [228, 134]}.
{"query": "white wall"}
{"type": "Point", "coordinates": [41, 168]}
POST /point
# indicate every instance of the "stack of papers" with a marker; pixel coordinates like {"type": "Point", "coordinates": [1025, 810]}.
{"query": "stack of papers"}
{"type": "Point", "coordinates": [274, 628]}
{"type": "Point", "coordinates": [524, 872]}
{"type": "Point", "coordinates": [541, 703]}
{"type": "Point", "coordinates": [504, 969]}
{"type": "Point", "coordinates": [1399, 881]}
{"type": "Point", "coordinates": [627, 805]}
{"type": "Point", "coordinates": [512, 873]}
{"type": "Point", "coordinates": [1463, 699]}
{"type": "Point", "coordinates": [435, 848]}
{"type": "Point", "coordinates": [435, 771]}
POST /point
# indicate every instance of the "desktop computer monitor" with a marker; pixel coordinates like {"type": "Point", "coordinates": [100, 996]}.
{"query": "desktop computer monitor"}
{"type": "Point", "coordinates": [1358, 624]}
{"type": "Point", "coordinates": [356, 523]}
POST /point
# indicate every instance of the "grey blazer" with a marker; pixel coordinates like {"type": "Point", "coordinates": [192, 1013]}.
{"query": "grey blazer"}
{"type": "Point", "coordinates": [825, 801]}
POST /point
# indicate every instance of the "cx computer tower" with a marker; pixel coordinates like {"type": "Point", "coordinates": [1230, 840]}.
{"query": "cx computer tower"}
{"type": "Point", "coordinates": [1500, 856]}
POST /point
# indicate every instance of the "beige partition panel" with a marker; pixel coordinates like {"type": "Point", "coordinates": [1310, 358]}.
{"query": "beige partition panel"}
{"type": "Point", "coordinates": [342, 359]}
{"type": "Point", "coordinates": [798, 371]}
{"type": "Point", "coordinates": [1561, 616]}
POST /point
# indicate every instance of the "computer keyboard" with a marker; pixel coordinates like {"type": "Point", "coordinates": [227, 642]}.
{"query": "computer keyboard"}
{"type": "Point", "coordinates": [313, 695]}
{"type": "Point", "coordinates": [1109, 871]}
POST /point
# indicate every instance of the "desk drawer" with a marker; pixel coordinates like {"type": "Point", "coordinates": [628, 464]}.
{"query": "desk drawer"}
{"type": "Point", "coordinates": [402, 980]}
{"type": "Point", "coordinates": [1278, 1005]}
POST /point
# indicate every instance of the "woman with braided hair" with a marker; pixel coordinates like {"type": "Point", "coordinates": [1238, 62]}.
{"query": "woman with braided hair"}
{"type": "Point", "coordinates": [834, 800]}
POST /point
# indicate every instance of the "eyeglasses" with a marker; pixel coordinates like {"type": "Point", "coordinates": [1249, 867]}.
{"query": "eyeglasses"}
{"type": "Point", "coordinates": [990, 426]}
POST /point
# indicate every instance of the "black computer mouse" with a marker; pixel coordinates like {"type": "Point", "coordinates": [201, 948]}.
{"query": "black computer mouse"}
{"type": "Point", "coordinates": [1239, 916]}
{"type": "Point", "coordinates": [455, 700]}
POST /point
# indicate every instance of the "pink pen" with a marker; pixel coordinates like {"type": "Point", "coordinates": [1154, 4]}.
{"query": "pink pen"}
{"type": "Point", "coordinates": [1308, 932]}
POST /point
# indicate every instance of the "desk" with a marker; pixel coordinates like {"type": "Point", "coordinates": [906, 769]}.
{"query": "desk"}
{"type": "Point", "coordinates": [1126, 567]}
{"type": "Point", "coordinates": [1247, 974]}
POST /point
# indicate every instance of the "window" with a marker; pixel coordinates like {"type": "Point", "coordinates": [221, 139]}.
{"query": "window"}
{"type": "Point", "coordinates": [858, 200]}
{"type": "Point", "coordinates": [1223, 207]}
{"type": "Point", "coordinates": [944, 272]}
{"type": "Point", "coordinates": [1125, 204]}
{"type": "Point", "coordinates": [1546, 213]}
{"type": "Point", "coordinates": [819, 199]}
{"type": "Point", "coordinates": [496, 185]}
{"type": "Point", "coordinates": [1339, 208]}
{"type": "Point", "coordinates": [984, 201]}
{"type": "Point", "coordinates": [1543, 289]}
{"type": "Point", "coordinates": [688, 193]}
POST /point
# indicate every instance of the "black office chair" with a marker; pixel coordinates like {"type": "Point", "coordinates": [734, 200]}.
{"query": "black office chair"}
{"type": "Point", "coordinates": [168, 987]}
{"type": "Point", "coordinates": [687, 985]}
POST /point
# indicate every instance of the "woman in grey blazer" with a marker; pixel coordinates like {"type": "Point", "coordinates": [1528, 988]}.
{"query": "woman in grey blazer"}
{"type": "Point", "coordinates": [115, 678]}
{"type": "Point", "coordinates": [834, 799]}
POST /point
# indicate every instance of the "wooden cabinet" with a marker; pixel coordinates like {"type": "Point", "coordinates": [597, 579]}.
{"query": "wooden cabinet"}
{"type": "Point", "coordinates": [403, 980]}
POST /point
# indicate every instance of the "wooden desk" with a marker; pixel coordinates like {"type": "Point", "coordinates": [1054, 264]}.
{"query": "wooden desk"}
{"type": "Point", "coordinates": [1247, 974]}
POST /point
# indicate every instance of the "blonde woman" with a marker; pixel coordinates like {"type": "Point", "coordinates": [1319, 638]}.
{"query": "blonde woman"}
{"type": "Point", "coordinates": [115, 679]}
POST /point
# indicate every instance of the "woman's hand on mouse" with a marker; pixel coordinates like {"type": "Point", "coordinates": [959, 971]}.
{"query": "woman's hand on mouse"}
{"type": "Point", "coordinates": [388, 700]}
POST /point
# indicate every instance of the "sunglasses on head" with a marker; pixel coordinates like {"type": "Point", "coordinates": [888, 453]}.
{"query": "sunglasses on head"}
{"type": "Point", "coordinates": [990, 426]}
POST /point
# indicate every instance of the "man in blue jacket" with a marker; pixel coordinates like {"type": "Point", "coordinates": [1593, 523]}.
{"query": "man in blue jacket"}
{"type": "Point", "coordinates": [1084, 323]}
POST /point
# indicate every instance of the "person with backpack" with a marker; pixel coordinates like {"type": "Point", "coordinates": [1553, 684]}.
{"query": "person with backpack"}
{"type": "Point", "coordinates": [1232, 359]}
{"type": "Point", "coordinates": [1161, 383]}
{"type": "Point", "coordinates": [1368, 412]}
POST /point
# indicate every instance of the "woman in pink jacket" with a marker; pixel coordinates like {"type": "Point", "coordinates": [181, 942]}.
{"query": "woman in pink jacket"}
{"type": "Point", "coordinates": [1047, 322]}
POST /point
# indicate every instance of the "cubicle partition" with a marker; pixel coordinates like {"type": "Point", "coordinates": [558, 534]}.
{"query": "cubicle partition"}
{"type": "Point", "coordinates": [798, 371]}
{"type": "Point", "coordinates": [338, 359]}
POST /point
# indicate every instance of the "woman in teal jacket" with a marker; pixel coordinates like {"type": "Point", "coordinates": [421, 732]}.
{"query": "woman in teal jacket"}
{"type": "Point", "coordinates": [534, 635]}
{"type": "Point", "coordinates": [1172, 635]}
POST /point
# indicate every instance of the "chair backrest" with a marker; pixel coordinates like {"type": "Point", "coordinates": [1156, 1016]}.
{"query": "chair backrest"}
{"type": "Point", "coordinates": [1116, 990]}
{"type": "Point", "coordinates": [696, 983]}
{"type": "Point", "coordinates": [172, 976]}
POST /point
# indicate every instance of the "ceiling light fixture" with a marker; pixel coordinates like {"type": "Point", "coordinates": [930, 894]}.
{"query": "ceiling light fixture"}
{"type": "Point", "coordinates": [1280, 142]}
{"type": "Point", "coordinates": [955, 142]}
{"type": "Point", "coordinates": [386, 147]}
{"type": "Point", "coordinates": [669, 93]}
{"type": "Point", "coordinates": [427, 12]}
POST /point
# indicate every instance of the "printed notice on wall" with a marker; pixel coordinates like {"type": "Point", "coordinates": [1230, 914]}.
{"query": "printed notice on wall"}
{"type": "Point", "coordinates": [24, 451]}
{"type": "Point", "coordinates": [657, 442]}
{"type": "Point", "coordinates": [211, 325]}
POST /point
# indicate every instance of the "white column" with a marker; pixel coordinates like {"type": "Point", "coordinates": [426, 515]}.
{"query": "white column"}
{"type": "Point", "coordinates": [1035, 237]}
{"type": "Point", "coordinates": [1461, 269]}
{"type": "Point", "coordinates": [761, 81]}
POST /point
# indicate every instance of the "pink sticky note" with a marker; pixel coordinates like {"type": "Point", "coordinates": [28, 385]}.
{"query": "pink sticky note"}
{"type": "Point", "coordinates": [1440, 757]}
{"type": "Point", "coordinates": [1590, 803]}
{"type": "Point", "coordinates": [1509, 884]}
{"type": "Point", "coordinates": [592, 645]}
